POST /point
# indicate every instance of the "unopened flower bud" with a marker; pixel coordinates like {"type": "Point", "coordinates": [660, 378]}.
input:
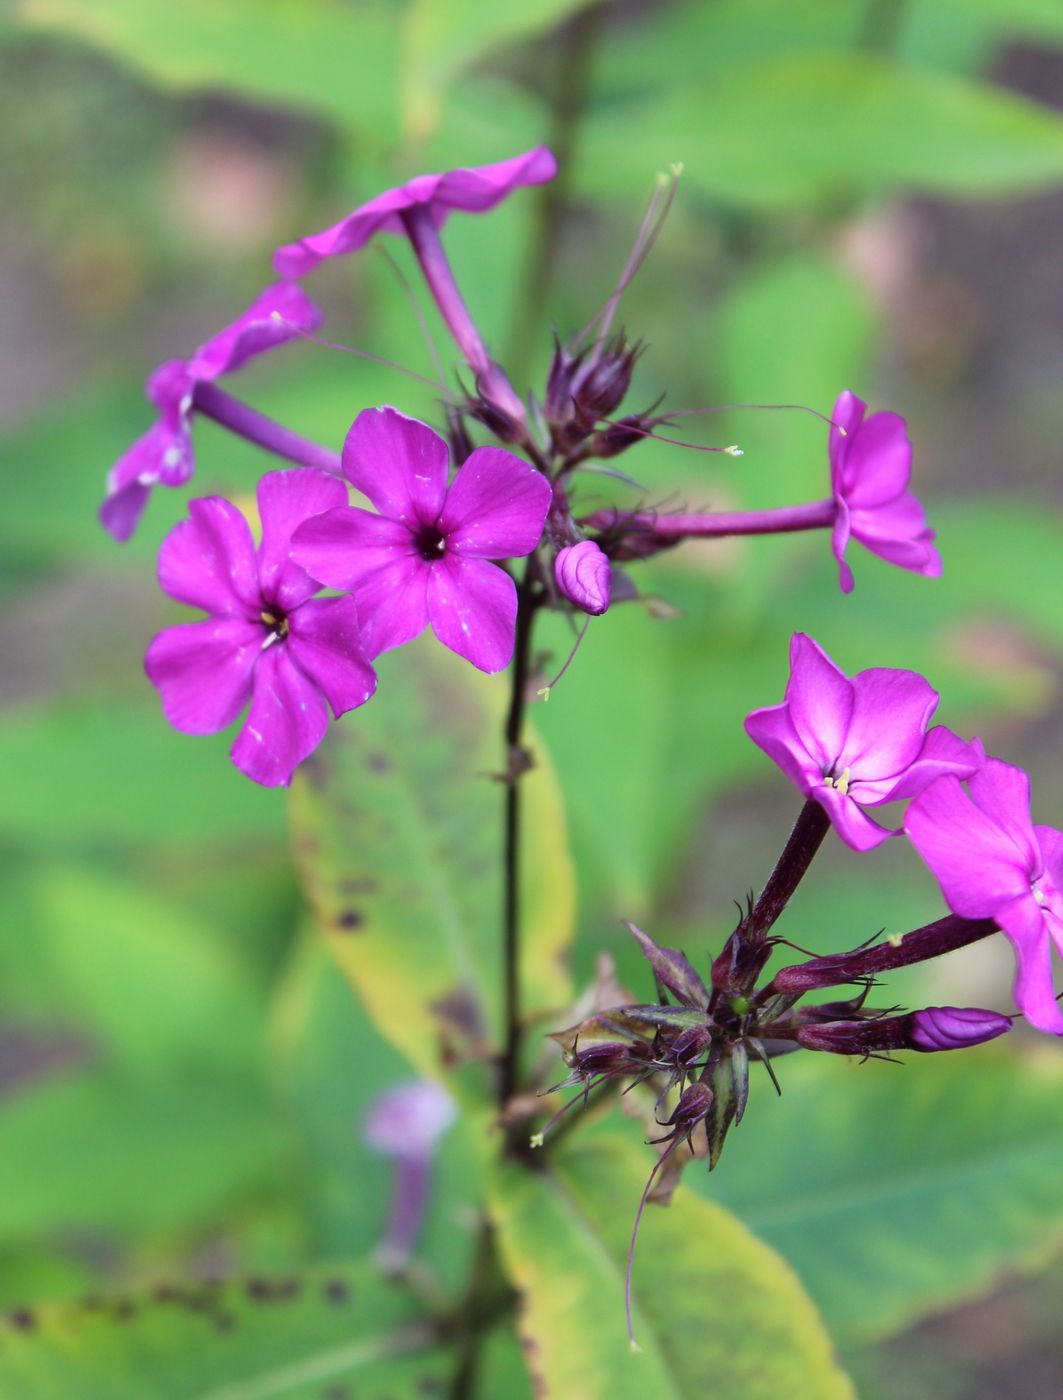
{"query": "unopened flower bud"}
{"type": "Point", "coordinates": [694, 1102]}
{"type": "Point", "coordinates": [497, 405]}
{"type": "Point", "coordinates": [601, 386]}
{"type": "Point", "coordinates": [955, 1027]}
{"type": "Point", "coordinates": [584, 576]}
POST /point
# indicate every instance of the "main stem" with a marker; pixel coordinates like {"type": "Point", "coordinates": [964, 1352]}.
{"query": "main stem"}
{"type": "Point", "coordinates": [514, 760]}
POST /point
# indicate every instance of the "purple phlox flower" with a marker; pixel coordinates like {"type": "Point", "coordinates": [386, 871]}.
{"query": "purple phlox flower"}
{"type": "Point", "coordinates": [266, 638]}
{"type": "Point", "coordinates": [992, 862]}
{"type": "Point", "coordinates": [426, 558]}
{"type": "Point", "coordinates": [585, 577]}
{"type": "Point", "coordinates": [164, 453]}
{"type": "Point", "coordinates": [870, 467]}
{"type": "Point", "coordinates": [955, 1027]}
{"type": "Point", "coordinates": [406, 1124]}
{"type": "Point", "coordinates": [851, 744]}
{"type": "Point", "coordinates": [475, 189]}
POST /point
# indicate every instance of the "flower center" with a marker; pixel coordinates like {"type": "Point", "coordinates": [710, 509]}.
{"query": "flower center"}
{"type": "Point", "coordinates": [277, 624]}
{"type": "Point", "coordinates": [841, 782]}
{"type": "Point", "coordinates": [430, 543]}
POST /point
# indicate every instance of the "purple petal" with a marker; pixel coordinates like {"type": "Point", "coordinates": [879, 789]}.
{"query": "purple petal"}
{"type": "Point", "coordinates": [325, 641]}
{"type": "Point", "coordinates": [285, 500]}
{"type": "Point", "coordinates": [170, 389]}
{"type": "Point", "coordinates": [848, 413]}
{"type": "Point", "coordinates": [202, 671]}
{"type": "Point", "coordinates": [898, 533]}
{"type": "Point", "coordinates": [888, 723]}
{"type": "Point", "coordinates": [820, 700]}
{"type": "Point", "coordinates": [878, 464]}
{"type": "Point", "coordinates": [257, 330]}
{"type": "Point", "coordinates": [392, 604]}
{"type": "Point", "coordinates": [772, 730]}
{"type": "Point", "coordinates": [409, 1119]}
{"type": "Point", "coordinates": [1051, 842]}
{"type": "Point", "coordinates": [345, 547]}
{"type": "Point", "coordinates": [850, 820]}
{"type": "Point", "coordinates": [841, 533]}
{"type": "Point", "coordinates": [1002, 792]}
{"type": "Point", "coordinates": [472, 606]}
{"type": "Point", "coordinates": [956, 1027]}
{"type": "Point", "coordinates": [481, 187]}
{"type": "Point", "coordinates": [399, 463]}
{"type": "Point", "coordinates": [208, 560]}
{"type": "Point", "coordinates": [977, 866]}
{"type": "Point", "coordinates": [1024, 922]}
{"type": "Point", "coordinates": [286, 722]}
{"type": "Point", "coordinates": [585, 577]}
{"type": "Point", "coordinates": [162, 454]}
{"type": "Point", "coordinates": [496, 507]}
{"type": "Point", "coordinates": [942, 753]}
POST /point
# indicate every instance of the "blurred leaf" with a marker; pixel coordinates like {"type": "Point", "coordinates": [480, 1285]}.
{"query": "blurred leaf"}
{"type": "Point", "coordinates": [1030, 19]}
{"type": "Point", "coordinates": [899, 1191]}
{"type": "Point", "coordinates": [712, 1305]}
{"type": "Point", "coordinates": [788, 130]}
{"type": "Point", "coordinates": [320, 57]}
{"type": "Point", "coordinates": [398, 828]}
{"type": "Point", "coordinates": [96, 772]}
{"type": "Point", "coordinates": [293, 1337]}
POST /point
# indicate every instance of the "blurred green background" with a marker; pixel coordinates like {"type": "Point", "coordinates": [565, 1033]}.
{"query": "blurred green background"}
{"type": "Point", "coordinates": [872, 199]}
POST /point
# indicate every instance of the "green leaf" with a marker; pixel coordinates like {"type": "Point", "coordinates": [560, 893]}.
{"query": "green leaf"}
{"type": "Point", "coordinates": [293, 1337]}
{"type": "Point", "coordinates": [398, 825]}
{"type": "Point", "coordinates": [900, 1191]}
{"type": "Point", "coordinates": [713, 1306]}
{"type": "Point", "coordinates": [317, 56]}
{"type": "Point", "coordinates": [788, 130]}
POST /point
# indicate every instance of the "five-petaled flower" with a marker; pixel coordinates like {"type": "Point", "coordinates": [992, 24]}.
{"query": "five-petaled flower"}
{"type": "Point", "coordinates": [851, 744]}
{"type": "Point", "coordinates": [426, 558]}
{"type": "Point", "coordinates": [266, 638]}
{"type": "Point", "coordinates": [870, 467]}
{"type": "Point", "coordinates": [163, 455]}
{"type": "Point", "coordinates": [992, 862]}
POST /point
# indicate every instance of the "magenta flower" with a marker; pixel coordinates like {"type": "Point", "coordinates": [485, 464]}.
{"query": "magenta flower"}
{"type": "Point", "coordinates": [993, 863]}
{"type": "Point", "coordinates": [266, 637]}
{"type": "Point", "coordinates": [425, 559]}
{"type": "Point", "coordinates": [584, 575]}
{"type": "Point", "coordinates": [870, 467]}
{"type": "Point", "coordinates": [164, 453]}
{"type": "Point", "coordinates": [851, 744]}
{"type": "Point", "coordinates": [476, 190]}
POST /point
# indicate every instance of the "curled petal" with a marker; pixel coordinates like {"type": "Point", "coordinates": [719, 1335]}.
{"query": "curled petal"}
{"type": "Point", "coordinates": [585, 577]}
{"type": "Point", "coordinates": [399, 463]}
{"type": "Point", "coordinates": [496, 507]}
{"type": "Point", "coordinates": [278, 314]}
{"type": "Point", "coordinates": [1024, 922]}
{"type": "Point", "coordinates": [208, 560]}
{"type": "Point", "coordinates": [772, 730]}
{"type": "Point", "coordinates": [943, 753]}
{"type": "Point", "coordinates": [285, 500]}
{"type": "Point", "coordinates": [1002, 792]}
{"type": "Point", "coordinates": [286, 722]}
{"type": "Point", "coordinates": [163, 454]}
{"type": "Point", "coordinates": [202, 671]}
{"type": "Point", "coordinates": [472, 606]}
{"type": "Point", "coordinates": [325, 641]}
{"type": "Point", "coordinates": [850, 820]}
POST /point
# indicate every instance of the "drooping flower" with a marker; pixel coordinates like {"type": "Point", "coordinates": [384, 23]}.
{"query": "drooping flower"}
{"type": "Point", "coordinates": [266, 637]}
{"type": "Point", "coordinates": [426, 558]}
{"type": "Point", "coordinates": [164, 453]}
{"type": "Point", "coordinates": [406, 1123]}
{"type": "Point", "coordinates": [870, 467]}
{"type": "Point", "coordinates": [852, 744]}
{"type": "Point", "coordinates": [475, 189]}
{"type": "Point", "coordinates": [584, 575]}
{"type": "Point", "coordinates": [992, 862]}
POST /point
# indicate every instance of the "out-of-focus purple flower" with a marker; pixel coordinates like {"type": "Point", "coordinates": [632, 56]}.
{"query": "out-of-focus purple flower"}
{"type": "Point", "coordinates": [406, 1123]}
{"type": "Point", "coordinates": [426, 558]}
{"type": "Point", "coordinates": [992, 862]}
{"type": "Point", "coordinates": [163, 455]}
{"type": "Point", "coordinates": [870, 467]}
{"type": "Point", "coordinates": [851, 744]}
{"type": "Point", "coordinates": [475, 189]}
{"type": "Point", "coordinates": [955, 1027]}
{"type": "Point", "coordinates": [266, 638]}
{"type": "Point", "coordinates": [585, 577]}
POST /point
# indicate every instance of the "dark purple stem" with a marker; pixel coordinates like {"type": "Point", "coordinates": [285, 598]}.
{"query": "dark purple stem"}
{"type": "Point", "coordinates": [783, 520]}
{"type": "Point", "coordinates": [247, 422]}
{"type": "Point", "coordinates": [804, 841]}
{"type": "Point", "coordinates": [930, 941]}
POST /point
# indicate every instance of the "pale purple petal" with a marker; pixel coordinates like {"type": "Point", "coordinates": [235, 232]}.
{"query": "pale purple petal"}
{"type": "Point", "coordinates": [879, 462]}
{"type": "Point", "coordinates": [258, 329]}
{"type": "Point", "coordinates": [285, 500]}
{"type": "Point", "coordinates": [479, 188]}
{"type": "Point", "coordinates": [409, 1119]}
{"type": "Point", "coordinates": [772, 730]}
{"type": "Point", "coordinates": [942, 753]}
{"type": "Point", "coordinates": [850, 821]}
{"type": "Point", "coordinates": [345, 547]}
{"type": "Point", "coordinates": [820, 700]}
{"type": "Point", "coordinates": [848, 414]}
{"type": "Point", "coordinates": [162, 454]}
{"type": "Point", "coordinates": [170, 389]}
{"type": "Point", "coordinates": [325, 641]}
{"type": "Point", "coordinates": [841, 532]}
{"type": "Point", "coordinates": [1051, 842]}
{"type": "Point", "coordinates": [202, 671]}
{"type": "Point", "coordinates": [399, 463]}
{"type": "Point", "coordinates": [1024, 923]}
{"type": "Point", "coordinates": [888, 723]}
{"type": "Point", "coordinates": [585, 577]}
{"type": "Point", "coordinates": [208, 560]}
{"type": "Point", "coordinates": [472, 606]}
{"type": "Point", "coordinates": [496, 507]}
{"type": "Point", "coordinates": [1002, 792]}
{"type": "Point", "coordinates": [977, 866]}
{"type": "Point", "coordinates": [286, 722]}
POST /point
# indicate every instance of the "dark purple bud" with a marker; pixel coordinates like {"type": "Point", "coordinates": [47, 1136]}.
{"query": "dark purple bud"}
{"type": "Point", "coordinates": [617, 437]}
{"type": "Point", "coordinates": [609, 1057]}
{"type": "Point", "coordinates": [955, 1027]}
{"type": "Point", "coordinates": [736, 969]}
{"type": "Point", "coordinates": [856, 1037]}
{"type": "Point", "coordinates": [584, 576]}
{"type": "Point", "coordinates": [559, 405]}
{"type": "Point", "coordinates": [690, 1045]}
{"type": "Point", "coordinates": [672, 971]}
{"type": "Point", "coordinates": [497, 406]}
{"type": "Point", "coordinates": [600, 387]}
{"type": "Point", "coordinates": [694, 1102]}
